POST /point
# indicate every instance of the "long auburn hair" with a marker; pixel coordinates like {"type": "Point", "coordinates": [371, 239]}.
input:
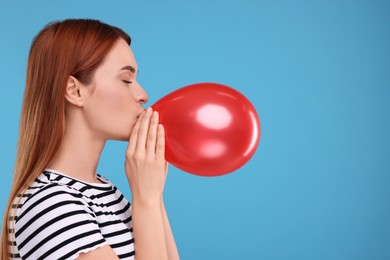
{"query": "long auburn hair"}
{"type": "Point", "coordinates": [72, 47]}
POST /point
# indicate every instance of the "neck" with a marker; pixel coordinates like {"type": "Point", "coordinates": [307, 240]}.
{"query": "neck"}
{"type": "Point", "coordinates": [79, 153]}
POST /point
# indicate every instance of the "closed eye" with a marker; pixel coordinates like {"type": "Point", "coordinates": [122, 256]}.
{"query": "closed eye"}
{"type": "Point", "coordinates": [127, 81]}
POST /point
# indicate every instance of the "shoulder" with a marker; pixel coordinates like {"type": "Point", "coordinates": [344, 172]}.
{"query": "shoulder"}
{"type": "Point", "coordinates": [48, 197]}
{"type": "Point", "coordinates": [55, 221]}
{"type": "Point", "coordinates": [51, 205]}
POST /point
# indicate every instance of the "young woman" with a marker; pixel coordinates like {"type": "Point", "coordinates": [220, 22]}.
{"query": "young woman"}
{"type": "Point", "coordinates": [82, 90]}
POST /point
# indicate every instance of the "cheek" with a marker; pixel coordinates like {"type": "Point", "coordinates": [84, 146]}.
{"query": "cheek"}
{"type": "Point", "coordinates": [112, 114]}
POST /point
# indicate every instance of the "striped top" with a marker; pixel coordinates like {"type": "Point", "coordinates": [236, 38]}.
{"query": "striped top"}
{"type": "Point", "coordinates": [60, 217]}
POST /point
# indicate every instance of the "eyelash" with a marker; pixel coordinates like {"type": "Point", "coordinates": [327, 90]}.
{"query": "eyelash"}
{"type": "Point", "coordinates": [127, 82]}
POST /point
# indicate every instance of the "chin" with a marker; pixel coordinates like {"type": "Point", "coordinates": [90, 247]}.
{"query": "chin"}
{"type": "Point", "coordinates": [120, 137]}
{"type": "Point", "coordinates": [124, 137]}
{"type": "Point", "coordinates": [121, 134]}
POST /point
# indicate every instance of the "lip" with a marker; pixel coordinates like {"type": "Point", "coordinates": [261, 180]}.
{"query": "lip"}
{"type": "Point", "coordinates": [140, 112]}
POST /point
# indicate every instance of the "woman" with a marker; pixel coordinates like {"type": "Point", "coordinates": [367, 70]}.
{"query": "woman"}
{"type": "Point", "coordinates": [81, 90]}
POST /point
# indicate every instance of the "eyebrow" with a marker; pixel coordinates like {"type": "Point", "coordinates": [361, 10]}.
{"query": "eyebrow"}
{"type": "Point", "coordinates": [131, 68]}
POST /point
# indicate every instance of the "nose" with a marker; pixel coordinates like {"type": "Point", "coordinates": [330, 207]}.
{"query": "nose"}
{"type": "Point", "coordinates": [141, 95]}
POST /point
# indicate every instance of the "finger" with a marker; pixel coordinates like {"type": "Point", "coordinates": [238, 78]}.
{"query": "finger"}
{"type": "Point", "coordinates": [143, 130]}
{"type": "Point", "coordinates": [134, 134]}
{"type": "Point", "coordinates": [166, 167]}
{"type": "Point", "coordinates": [160, 145]}
{"type": "Point", "coordinates": [152, 136]}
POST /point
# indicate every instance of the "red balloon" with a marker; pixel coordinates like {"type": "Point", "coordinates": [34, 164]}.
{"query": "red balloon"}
{"type": "Point", "coordinates": [211, 129]}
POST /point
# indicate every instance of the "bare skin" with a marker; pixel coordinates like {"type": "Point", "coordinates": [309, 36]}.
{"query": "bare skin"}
{"type": "Point", "coordinates": [110, 108]}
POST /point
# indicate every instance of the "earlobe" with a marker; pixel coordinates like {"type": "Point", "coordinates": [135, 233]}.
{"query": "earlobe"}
{"type": "Point", "coordinates": [73, 92]}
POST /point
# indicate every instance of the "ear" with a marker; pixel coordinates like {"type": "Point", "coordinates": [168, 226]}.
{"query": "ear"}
{"type": "Point", "coordinates": [73, 93]}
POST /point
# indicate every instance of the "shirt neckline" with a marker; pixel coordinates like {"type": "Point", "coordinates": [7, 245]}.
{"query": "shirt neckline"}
{"type": "Point", "coordinates": [105, 182]}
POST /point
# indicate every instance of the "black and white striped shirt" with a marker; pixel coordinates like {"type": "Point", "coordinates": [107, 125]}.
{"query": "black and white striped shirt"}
{"type": "Point", "coordinates": [60, 217]}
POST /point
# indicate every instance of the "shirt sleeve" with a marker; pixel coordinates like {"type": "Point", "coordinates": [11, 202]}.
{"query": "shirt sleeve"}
{"type": "Point", "coordinates": [56, 223]}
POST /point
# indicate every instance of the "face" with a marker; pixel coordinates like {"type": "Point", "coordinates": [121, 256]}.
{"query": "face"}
{"type": "Point", "coordinates": [115, 98]}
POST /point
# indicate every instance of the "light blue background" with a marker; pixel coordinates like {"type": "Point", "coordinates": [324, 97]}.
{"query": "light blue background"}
{"type": "Point", "coordinates": [318, 73]}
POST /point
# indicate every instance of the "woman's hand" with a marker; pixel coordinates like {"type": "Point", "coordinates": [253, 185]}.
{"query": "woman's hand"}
{"type": "Point", "coordinates": [146, 171]}
{"type": "Point", "coordinates": [145, 165]}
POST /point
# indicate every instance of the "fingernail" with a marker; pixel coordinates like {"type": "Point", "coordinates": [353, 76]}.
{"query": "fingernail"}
{"type": "Point", "coordinates": [148, 109]}
{"type": "Point", "coordinates": [155, 113]}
